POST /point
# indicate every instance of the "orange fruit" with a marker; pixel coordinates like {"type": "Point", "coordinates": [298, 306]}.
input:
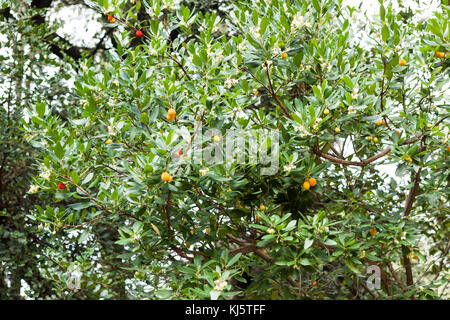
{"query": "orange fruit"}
{"type": "Point", "coordinates": [312, 182]}
{"type": "Point", "coordinates": [192, 232]}
{"type": "Point", "coordinates": [284, 55]}
{"type": "Point", "coordinates": [409, 159]}
{"type": "Point", "coordinates": [402, 62]}
{"type": "Point", "coordinates": [166, 177]}
{"type": "Point", "coordinates": [306, 185]}
{"type": "Point", "coordinates": [188, 244]}
{"type": "Point", "coordinates": [373, 231]}
{"type": "Point", "coordinates": [258, 217]}
{"type": "Point", "coordinates": [448, 148]}
{"type": "Point", "coordinates": [171, 114]}
{"type": "Point", "coordinates": [208, 230]}
{"type": "Point", "coordinates": [439, 54]}
{"type": "Point", "coordinates": [109, 141]}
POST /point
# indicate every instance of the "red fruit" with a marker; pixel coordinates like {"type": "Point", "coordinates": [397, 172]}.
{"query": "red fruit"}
{"type": "Point", "coordinates": [139, 33]}
{"type": "Point", "coordinates": [177, 154]}
{"type": "Point", "coordinates": [61, 185]}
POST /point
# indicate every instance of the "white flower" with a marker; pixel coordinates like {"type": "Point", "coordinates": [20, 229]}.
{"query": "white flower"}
{"type": "Point", "coordinates": [218, 57]}
{"type": "Point", "coordinates": [111, 130]}
{"type": "Point", "coordinates": [350, 110]}
{"type": "Point", "coordinates": [230, 82]}
{"type": "Point", "coordinates": [220, 284]}
{"type": "Point", "coordinates": [153, 52]}
{"type": "Point", "coordinates": [289, 167]}
{"type": "Point", "coordinates": [203, 171]}
{"type": "Point", "coordinates": [297, 23]}
{"type": "Point", "coordinates": [267, 64]}
{"type": "Point", "coordinates": [46, 174]}
{"type": "Point", "coordinates": [355, 93]}
{"type": "Point", "coordinates": [302, 129]}
{"type": "Point", "coordinates": [135, 237]}
{"type": "Point", "coordinates": [403, 236]}
{"type": "Point", "coordinates": [276, 51]}
{"type": "Point", "coordinates": [271, 231]}
{"type": "Point", "coordinates": [255, 32]}
{"type": "Point", "coordinates": [33, 189]}
{"type": "Point", "coordinates": [242, 46]}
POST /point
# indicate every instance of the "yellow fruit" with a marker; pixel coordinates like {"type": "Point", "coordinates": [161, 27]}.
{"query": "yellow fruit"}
{"type": "Point", "coordinates": [109, 141]}
{"type": "Point", "coordinates": [375, 139]}
{"type": "Point", "coordinates": [373, 231]}
{"type": "Point", "coordinates": [369, 138]}
{"type": "Point", "coordinates": [171, 114]}
{"type": "Point", "coordinates": [262, 207]}
{"type": "Point", "coordinates": [314, 283]}
{"type": "Point", "coordinates": [306, 185]}
{"type": "Point", "coordinates": [192, 232]}
{"type": "Point", "coordinates": [398, 132]}
{"type": "Point", "coordinates": [284, 55]}
{"type": "Point", "coordinates": [326, 112]}
{"type": "Point", "coordinates": [402, 62]}
{"type": "Point", "coordinates": [409, 159]}
{"type": "Point", "coordinates": [166, 177]}
{"type": "Point", "coordinates": [216, 138]}
{"type": "Point", "coordinates": [312, 182]}
{"type": "Point", "coordinates": [337, 130]}
{"type": "Point", "coordinates": [439, 54]}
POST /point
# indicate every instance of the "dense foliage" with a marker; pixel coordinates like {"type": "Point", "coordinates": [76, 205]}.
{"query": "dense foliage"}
{"type": "Point", "coordinates": [355, 112]}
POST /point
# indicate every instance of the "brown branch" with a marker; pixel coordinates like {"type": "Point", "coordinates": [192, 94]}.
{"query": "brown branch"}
{"type": "Point", "coordinates": [408, 206]}
{"type": "Point", "coordinates": [351, 163]}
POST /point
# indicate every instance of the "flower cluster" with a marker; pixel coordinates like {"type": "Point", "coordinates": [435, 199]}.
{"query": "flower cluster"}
{"type": "Point", "coordinates": [288, 168]}
{"type": "Point", "coordinates": [299, 22]}
{"type": "Point", "coordinates": [351, 110]}
{"type": "Point", "coordinates": [303, 131]}
{"type": "Point", "coordinates": [46, 174]}
{"type": "Point", "coordinates": [220, 284]}
{"type": "Point", "coordinates": [267, 64]}
{"type": "Point", "coordinates": [355, 93]}
{"type": "Point", "coordinates": [230, 82]}
{"type": "Point", "coordinates": [33, 189]}
{"type": "Point", "coordinates": [255, 32]}
{"type": "Point", "coordinates": [203, 171]}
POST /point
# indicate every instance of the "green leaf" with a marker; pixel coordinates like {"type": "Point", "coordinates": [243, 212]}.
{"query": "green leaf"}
{"type": "Point", "coordinates": [75, 177]}
{"type": "Point", "coordinates": [385, 33]}
{"type": "Point", "coordinates": [40, 109]}
{"type": "Point", "coordinates": [348, 81]}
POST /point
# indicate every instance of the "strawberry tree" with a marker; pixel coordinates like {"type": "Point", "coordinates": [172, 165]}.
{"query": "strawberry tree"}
{"type": "Point", "coordinates": [355, 112]}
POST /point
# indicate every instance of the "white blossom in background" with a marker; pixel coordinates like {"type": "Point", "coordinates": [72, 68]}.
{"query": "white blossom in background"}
{"type": "Point", "coordinates": [242, 46]}
{"type": "Point", "coordinates": [267, 64]}
{"type": "Point", "coordinates": [288, 168]}
{"type": "Point", "coordinates": [255, 32]}
{"type": "Point", "coordinates": [203, 171]}
{"type": "Point", "coordinates": [45, 174]}
{"type": "Point", "coordinates": [33, 188]}
{"type": "Point", "coordinates": [302, 130]}
{"type": "Point", "coordinates": [220, 284]}
{"type": "Point", "coordinates": [355, 93]}
{"type": "Point", "coordinates": [276, 50]}
{"type": "Point", "coordinates": [351, 110]}
{"type": "Point", "coordinates": [230, 82]}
